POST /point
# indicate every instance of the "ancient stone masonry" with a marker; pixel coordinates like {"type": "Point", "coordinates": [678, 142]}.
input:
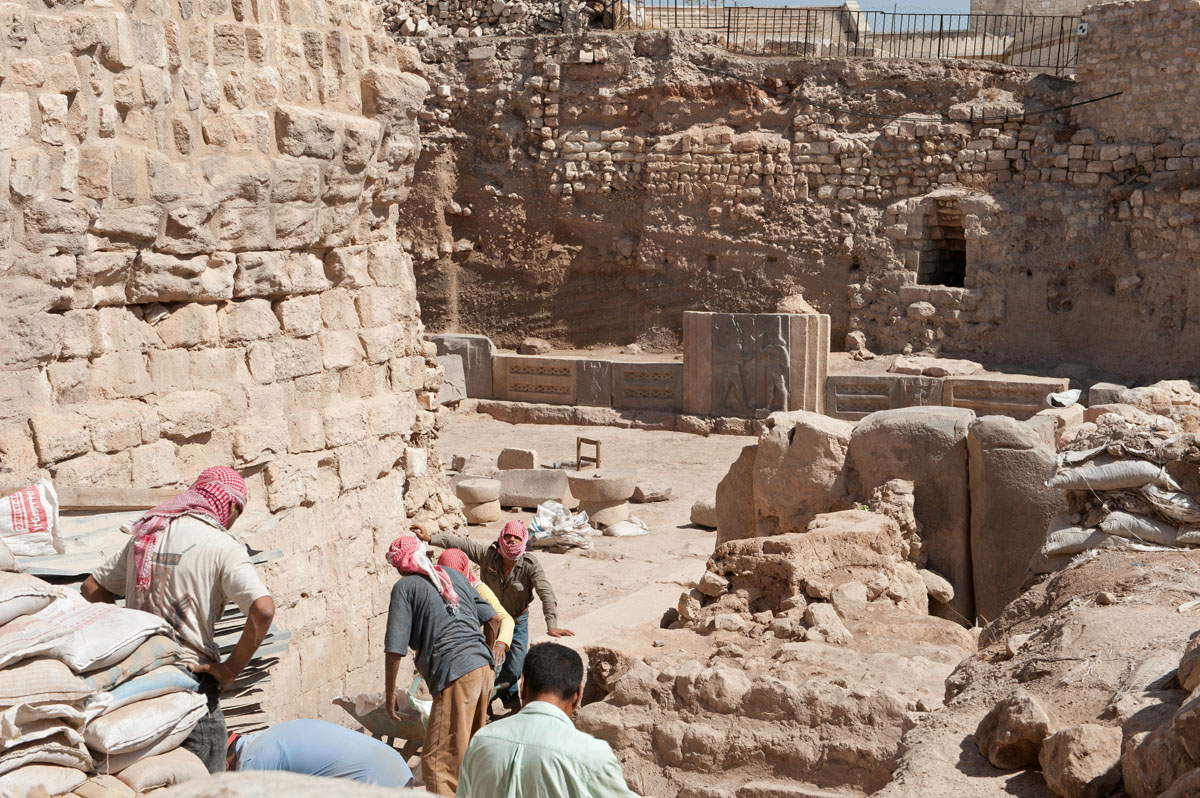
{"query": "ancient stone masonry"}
{"type": "Point", "coordinates": [942, 211]}
{"type": "Point", "coordinates": [200, 267]}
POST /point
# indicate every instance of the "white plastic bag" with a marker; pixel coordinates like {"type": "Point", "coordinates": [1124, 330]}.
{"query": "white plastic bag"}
{"type": "Point", "coordinates": [627, 529]}
{"type": "Point", "coordinates": [29, 521]}
{"type": "Point", "coordinates": [554, 525]}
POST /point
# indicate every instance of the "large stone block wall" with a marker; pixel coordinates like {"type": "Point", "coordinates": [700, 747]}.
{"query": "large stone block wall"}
{"type": "Point", "coordinates": [199, 266]}
{"type": "Point", "coordinates": [573, 175]}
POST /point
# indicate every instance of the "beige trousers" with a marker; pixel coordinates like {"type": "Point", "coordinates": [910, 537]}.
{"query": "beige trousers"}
{"type": "Point", "coordinates": [458, 712]}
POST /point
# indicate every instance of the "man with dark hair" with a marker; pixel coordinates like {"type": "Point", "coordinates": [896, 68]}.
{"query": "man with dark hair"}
{"type": "Point", "coordinates": [538, 751]}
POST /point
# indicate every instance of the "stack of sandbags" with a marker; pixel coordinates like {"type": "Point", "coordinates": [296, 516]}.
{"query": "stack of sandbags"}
{"type": "Point", "coordinates": [1131, 481]}
{"type": "Point", "coordinates": [88, 687]}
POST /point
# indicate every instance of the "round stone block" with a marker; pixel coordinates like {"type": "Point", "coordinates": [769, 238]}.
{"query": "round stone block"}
{"type": "Point", "coordinates": [477, 491]}
{"type": "Point", "coordinates": [482, 513]}
{"type": "Point", "coordinates": [602, 514]}
{"type": "Point", "coordinates": [602, 485]}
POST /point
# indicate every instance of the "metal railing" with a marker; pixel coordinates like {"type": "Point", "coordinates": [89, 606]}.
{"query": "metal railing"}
{"type": "Point", "coordinates": [1045, 43]}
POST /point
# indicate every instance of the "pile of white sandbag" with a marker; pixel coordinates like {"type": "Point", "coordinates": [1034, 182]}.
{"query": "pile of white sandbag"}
{"type": "Point", "coordinates": [92, 701]}
{"type": "Point", "coordinates": [1131, 481]}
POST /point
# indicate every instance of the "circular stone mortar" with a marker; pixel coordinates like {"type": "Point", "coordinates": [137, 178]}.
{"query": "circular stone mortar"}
{"type": "Point", "coordinates": [477, 491]}
{"type": "Point", "coordinates": [482, 513]}
{"type": "Point", "coordinates": [605, 513]}
{"type": "Point", "coordinates": [602, 485]}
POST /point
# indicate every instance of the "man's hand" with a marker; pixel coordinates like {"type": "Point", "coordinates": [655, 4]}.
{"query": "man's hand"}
{"type": "Point", "coordinates": [499, 653]}
{"type": "Point", "coordinates": [389, 703]}
{"type": "Point", "coordinates": [219, 671]}
{"type": "Point", "coordinates": [421, 532]}
{"type": "Point", "coordinates": [560, 633]}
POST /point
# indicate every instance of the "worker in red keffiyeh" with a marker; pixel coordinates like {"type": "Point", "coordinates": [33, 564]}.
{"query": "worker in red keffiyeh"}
{"type": "Point", "coordinates": [182, 564]}
{"type": "Point", "coordinates": [436, 613]}
{"type": "Point", "coordinates": [514, 576]}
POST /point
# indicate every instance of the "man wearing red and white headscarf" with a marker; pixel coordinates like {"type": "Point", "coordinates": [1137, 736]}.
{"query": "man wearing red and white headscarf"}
{"type": "Point", "coordinates": [182, 564]}
{"type": "Point", "coordinates": [435, 612]}
{"type": "Point", "coordinates": [514, 576]}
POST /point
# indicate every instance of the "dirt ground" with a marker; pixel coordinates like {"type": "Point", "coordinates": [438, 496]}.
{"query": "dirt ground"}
{"type": "Point", "coordinates": [622, 583]}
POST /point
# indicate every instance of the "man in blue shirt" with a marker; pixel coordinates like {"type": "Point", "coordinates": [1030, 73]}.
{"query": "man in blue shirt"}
{"type": "Point", "coordinates": [318, 748]}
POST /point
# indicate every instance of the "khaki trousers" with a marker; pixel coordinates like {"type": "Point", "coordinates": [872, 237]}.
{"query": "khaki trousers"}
{"type": "Point", "coordinates": [458, 712]}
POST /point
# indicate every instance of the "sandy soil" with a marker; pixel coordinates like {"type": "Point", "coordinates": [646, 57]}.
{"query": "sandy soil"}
{"type": "Point", "coordinates": [623, 582]}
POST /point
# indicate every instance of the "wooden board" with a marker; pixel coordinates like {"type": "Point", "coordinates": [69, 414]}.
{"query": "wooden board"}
{"type": "Point", "coordinates": [112, 499]}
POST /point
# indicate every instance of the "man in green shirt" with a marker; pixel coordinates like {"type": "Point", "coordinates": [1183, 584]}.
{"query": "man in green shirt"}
{"type": "Point", "coordinates": [538, 751]}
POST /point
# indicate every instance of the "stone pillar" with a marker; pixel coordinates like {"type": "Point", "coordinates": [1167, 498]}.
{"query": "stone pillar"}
{"type": "Point", "coordinates": [743, 364]}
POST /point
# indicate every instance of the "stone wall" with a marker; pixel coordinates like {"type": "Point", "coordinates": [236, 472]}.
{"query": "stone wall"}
{"type": "Point", "coordinates": [1030, 7]}
{"type": "Point", "coordinates": [930, 205]}
{"type": "Point", "coordinates": [200, 267]}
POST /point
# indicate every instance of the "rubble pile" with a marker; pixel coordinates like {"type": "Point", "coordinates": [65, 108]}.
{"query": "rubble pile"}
{"type": "Point", "coordinates": [90, 691]}
{"type": "Point", "coordinates": [1131, 477]}
{"type": "Point", "coordinates": [472, 18]}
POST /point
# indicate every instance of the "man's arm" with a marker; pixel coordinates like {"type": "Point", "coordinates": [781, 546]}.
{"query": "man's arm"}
{"type": "Point", "coordinates": [258, 622]}
{"type": "Point", "coordinates": [473, 549]}
{"type": "Point", "coordinates": [96, 593]}
{"type": "Point", "coordinates": [549, 603]}
{"type": "Point", "coordinates": [391, 668]}
{"type": "Point", "coordinates": [491, 631]}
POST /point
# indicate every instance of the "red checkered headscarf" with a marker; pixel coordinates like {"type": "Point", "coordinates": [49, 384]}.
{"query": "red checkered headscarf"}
{"type": "Point", "coordinates": [213, 495]}
{"type": "Point", "coordinates": [457, 559]}
{"type": "Point", "coordinates": [513, 552]}
{"type": "Point", "coordinates": [407, 555]}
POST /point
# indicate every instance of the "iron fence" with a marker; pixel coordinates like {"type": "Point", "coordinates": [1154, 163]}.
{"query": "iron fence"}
{"type": "Point", "coordinates": [1044, 43]}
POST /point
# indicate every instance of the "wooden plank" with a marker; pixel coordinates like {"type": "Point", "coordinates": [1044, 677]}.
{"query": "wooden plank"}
{"type": "Point", "coordinates": [112, 499]}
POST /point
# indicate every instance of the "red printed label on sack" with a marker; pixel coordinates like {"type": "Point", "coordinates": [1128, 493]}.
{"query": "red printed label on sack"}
{"type": "Point", "coordinates": [27, 511]}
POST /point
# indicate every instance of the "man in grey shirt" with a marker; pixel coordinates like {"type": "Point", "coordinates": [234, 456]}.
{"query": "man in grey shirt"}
{"type": "Point", "coordinates": [437, 613]}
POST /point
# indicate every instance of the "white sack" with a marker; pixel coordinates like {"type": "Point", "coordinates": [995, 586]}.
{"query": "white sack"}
{"type": "Point", "coordinates": [22, 594]}
{"type": "Point", "coordinates": [1111, 476]}
{"type": "Point", "coordinates": [163, 770]}
{"type": "Point", "coordinates": [30, 780]}
{"type": "Point", "coordinates": [145, 723]}
{"type": "Point", "coordinates": [7, 561]}
{"type": "Point", "coordinates": [98, 635]}
{"type": "Point", "coordinates": [1139, 527]}
{"type": "Point", "coordinates": [27, 722]}
{"type": "Point", "coordinates": [55, 750]}
{"type": "Point", "coordinates": [29, 520]}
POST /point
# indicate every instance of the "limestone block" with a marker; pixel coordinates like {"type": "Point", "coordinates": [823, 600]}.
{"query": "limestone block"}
{"type": "Point", "coordinates": [850, 600]}
{"type": "Point", "coordinates": [154, 465]}
{"type": "Point", "coordinates": [824, 624]}
{"type": "Point", "coordinates": [116, 426]}
{"type": "Point", "coordinates": [530, 487]}
{"type": "Point", "coordinates": [121, 375]}
{"type": "Point", "coordinates": [1082, 761]}
{"type": "Point", "coordinates": [348, 266]}
{"type": "Point", "coordinates": [340, 349]}
{"type": "Point", "coordinates": [938, 586]}
{"type": "Point", "coordinates": [927, 446]}
{"type": "Point", "coordinates": [186, 414]}
{"type": "Point", "coordinates": [531, 378]}
{"type": "Point", "coordinates": [56, 225]}
{"type": "Point", "coordinates": [454, 381]}
{"type": "Point", "coordinates": [247, 320]}
{"type": "Point", "coordinates": [191, 325]}
{"type": "Point", "coordinates": [852, 397]}
{"type": "Point", "coordinates": [290, 483]}
{"type": "Point", "coordinates": [1017, 397]}
{"type": "Point", "coordinates": [1011, 734]}
{"type": "Point", "coordinates": [602, 484]}
{"type": "Point", "coordinates": [735, 499]}
{"type": "Point", "coordinates": [362, 139]}
{"type": "Point", "coordinates": [1152, 762]}
{"type": "Point", "coordinates": [799, 470]}
{"type": "Point", "coordinates": [307, 429]}
{"type": "Point", "coordinates": [260, 442]}
{"type": "Point", "coordinates": [1187, 786]}
{"type": "Point", "coordinates": [1186, 726]}
{"type": "Point", "coordinates": [510, 458]}
{"type": "Point", "coordinates": [647, 386]}
{"type": "Point", "coordinates": [95, 470]}
{"type": "Point", "coordinates": [345, 422]}
{"type": "Point", "coordinates": [391, 93]}
{"type": "Point", "coordinates": [301, 315]}
{"type": "Point", "coordinates": [307, 132]}
{"type": "Point", "coordinates": [1189, 665]}
{"type": "Point", "coordinates": [159, 277]}
{"type": "Point", "coordinates": [297, 357]}
{"type": "Point", "coordinates": [69, 380]}
{"type": "Point", "coordinates": [139, 224]}
{"type": "Point", "coordinates": [483, 513]}
{"type": "Point", "coordinates": [478, 491]}
{"type": "Point", "coordinates": [704, 513]}
{"type": "Point", "coordinates": [1011, 507]}
{"type": "Point", "coordinates": [476, 352]}
{"type": "Point", "coordinates": [1105, 393]}
{"type": "Point", "coordinates": [697, 363]}
{"type": "Point", "coordinates": [58, 436]}
{"type": "Point", "coordinates": [601, 514]}
{"type": "Point", "coordinates": [646, 493]}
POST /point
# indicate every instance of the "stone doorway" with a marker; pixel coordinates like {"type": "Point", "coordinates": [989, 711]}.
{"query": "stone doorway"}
{"type": "Point", "coordinates": [943, 258]}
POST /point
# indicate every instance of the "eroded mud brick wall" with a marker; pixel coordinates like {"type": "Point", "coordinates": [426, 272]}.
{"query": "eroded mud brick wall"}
{"type": "Point", "coordinates": [591, 188]}
{"type": "Point", "coordinates": [200, 267]}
